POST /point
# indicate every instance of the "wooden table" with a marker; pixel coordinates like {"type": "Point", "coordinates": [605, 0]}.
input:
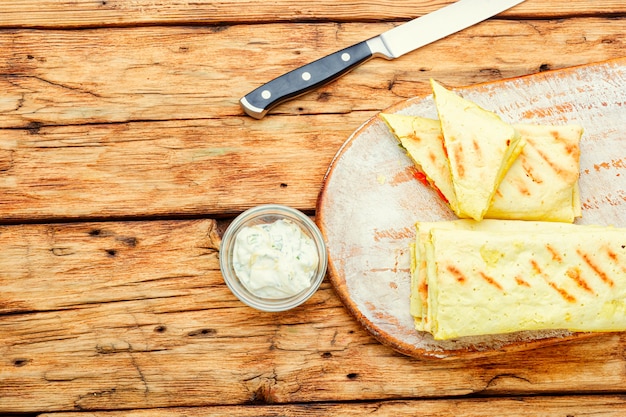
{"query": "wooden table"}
{"type": "Point", "coordinates": [124, 154]}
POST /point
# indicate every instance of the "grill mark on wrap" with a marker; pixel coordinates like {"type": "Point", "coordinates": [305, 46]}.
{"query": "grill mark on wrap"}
{"type": "Point", "coordinates": [566, 296]}
{"type": "Point", "coordinates": [611, 254]}
{"type": "Point", "coordinates": [563, 293]}
{"type": "Point", "coordinates": [477, 149]}
{"type": "Point", "coordinates": [457, 274]}
{"type": "Point", "coordinates": [536, 267]}
{"type": "Point", "coordinates": [575, 275]}
{"type": "Point", "coordinates": [614, 257]}
{"type": "Point", "coordinates": [458, 154]}
{"type": "Point", "coordinates": [556, 168]}
{"type": "Point", "coordinates": [432, 157]}
{"type": "Point", "coordinates": [555, 255]}
{"type": "Point", "coordinates": [490, 280]}
{"type": "Point", "coordinates": [570, 148]}
{"type": "Point", "coordinates": [422, 289]}
{"type": "Point", "coordinates": [528, 167]}
{"type": "Point", "coordinates": [550, 163]}
{"type": "Point", "coordinates": [521, 186]}
{"type": "Point", "coordinates": [599, 272]}
{"type": "Point", "coordinates": [413, 136]}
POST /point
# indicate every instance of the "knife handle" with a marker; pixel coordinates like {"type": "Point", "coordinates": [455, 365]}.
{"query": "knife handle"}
{"type": "Point", "coordinates": [304, 79]}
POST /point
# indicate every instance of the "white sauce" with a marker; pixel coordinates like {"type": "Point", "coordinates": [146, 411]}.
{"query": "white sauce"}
{"type": "Point", "coordinates": [274, 260]}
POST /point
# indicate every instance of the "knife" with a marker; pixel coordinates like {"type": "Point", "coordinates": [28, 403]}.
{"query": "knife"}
{"type": "Point", "coordinates": [390, 44]}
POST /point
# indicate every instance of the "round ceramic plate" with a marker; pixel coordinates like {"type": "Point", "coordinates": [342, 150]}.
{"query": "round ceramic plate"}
{"type": "Point", "coordinates": [371, 200]}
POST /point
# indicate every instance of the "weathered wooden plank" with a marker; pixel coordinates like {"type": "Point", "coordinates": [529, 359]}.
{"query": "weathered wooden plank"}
{"type": "Point", "coordinates": [599, 406]}
{"type": "Point", "coordinates": [53, 13]}
{"type": "Point", "coordinates": [168, 168]}
{"type": "Point", "coordinates": [138, 355]}
{"type": "Point", "coordinates": [64, 266]}
{"type": "Point", "coordinates": [118, 75]}
{"type": "Point", "coordinates": [137, 316]}
{"type": "Point", "coordinates": [175, 166]}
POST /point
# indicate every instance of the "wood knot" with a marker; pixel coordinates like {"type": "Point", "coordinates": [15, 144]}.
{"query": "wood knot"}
{"type": "Point", "coordinates": [202, 333]}
{"type": "Point", "coordinates": [34, 127]}
{"type": "Point", "coordinates": [127, 240]}
{"type": "Point", "coordinates": [19, 362]}
{"type": "Point", "coordinates": [263, 394]}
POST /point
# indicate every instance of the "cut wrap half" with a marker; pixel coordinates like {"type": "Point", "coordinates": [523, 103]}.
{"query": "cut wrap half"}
{"type": "Point", "coordinates": [502, 276]}
{"type": "Point", "coordinates": [541, 184]}
{"type": "Point", "coordinates": [480, 148]}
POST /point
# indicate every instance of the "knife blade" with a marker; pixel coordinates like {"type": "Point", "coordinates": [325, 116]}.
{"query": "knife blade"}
{"type": "Point", "coordinates": [389, 45]}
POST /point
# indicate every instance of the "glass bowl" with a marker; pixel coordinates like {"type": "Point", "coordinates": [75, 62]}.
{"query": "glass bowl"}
{"type": "Point", "coordinates": [268, 215]}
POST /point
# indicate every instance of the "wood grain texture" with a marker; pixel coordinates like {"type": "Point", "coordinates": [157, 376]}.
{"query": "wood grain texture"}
{"type": "Point", "coordinates": [92, 321]}
{"type": "Point", "coordinates": [154, 115]}
{"type": "Point", "coordinates": [67, 266]}
{"type": "Point", "coordinates": [600, 406]}
{"type": "Point", "coordinates": [118, 109]}
{"type": "Point", "coordinates": [107, 13]}
{"type": "Point", "coordinates": [84, 13]}
{"type": "Point", "coordinates": [167, 168]}
{"type": "Point", "coordinates": [153, 74]}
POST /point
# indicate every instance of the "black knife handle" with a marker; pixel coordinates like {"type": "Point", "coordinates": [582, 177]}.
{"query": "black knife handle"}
{"type": "Point", "coordinates": [304, 79]}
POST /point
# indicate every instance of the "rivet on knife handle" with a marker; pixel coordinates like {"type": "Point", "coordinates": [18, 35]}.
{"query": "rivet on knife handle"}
{"type": "Point", "coordinates": [304, 79]}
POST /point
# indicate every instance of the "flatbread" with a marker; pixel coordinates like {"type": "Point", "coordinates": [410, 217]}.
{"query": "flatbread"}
{"type": "Point", "coordinates": [542, 183]}
{"type": "Point", "coordinates": [480, 148]}
{"type": "Point", "coordinates": [503, 276]}
{"type": "Point", "coordinates": [423, 142]}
